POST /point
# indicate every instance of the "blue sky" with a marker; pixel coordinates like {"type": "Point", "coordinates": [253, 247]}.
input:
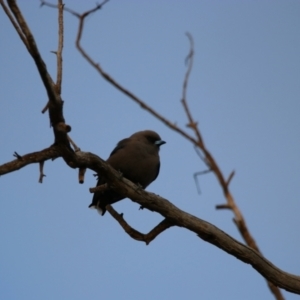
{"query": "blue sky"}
{"type": "Point", "coordinates": [244, 91]}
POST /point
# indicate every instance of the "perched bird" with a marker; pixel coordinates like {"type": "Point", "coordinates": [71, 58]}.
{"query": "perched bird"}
{"type": "Point", "coordinates": [137, 159]}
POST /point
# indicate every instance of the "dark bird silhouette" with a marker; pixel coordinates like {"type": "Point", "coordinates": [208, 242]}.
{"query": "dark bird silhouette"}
{"type": "Point", "coordinates": [137, 159]}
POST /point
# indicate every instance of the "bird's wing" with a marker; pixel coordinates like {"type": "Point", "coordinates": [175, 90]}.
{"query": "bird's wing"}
{"type": "Point", "coordinates": [119, 146]}
{"type": "Point", "coordinates": [157, 170]}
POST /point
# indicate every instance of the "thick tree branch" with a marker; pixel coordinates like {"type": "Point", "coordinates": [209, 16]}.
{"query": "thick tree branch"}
{"type": "Point", "coordinates": [203, 229]}
{"type": "Point", "coordinates": [34, 157]}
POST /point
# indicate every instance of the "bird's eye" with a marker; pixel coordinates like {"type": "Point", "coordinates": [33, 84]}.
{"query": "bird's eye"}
{"type": "Point", "coordinates": [151, 139]}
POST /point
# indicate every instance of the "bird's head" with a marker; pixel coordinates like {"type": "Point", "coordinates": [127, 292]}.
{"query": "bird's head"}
{"type": "Point", "coordinates": [150, 136]}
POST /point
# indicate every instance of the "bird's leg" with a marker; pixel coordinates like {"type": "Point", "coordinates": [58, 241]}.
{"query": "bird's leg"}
{"type": "Point", "coordinates": [76, 148]}
{"type": "Point", "coordinates": [139, 187]}
{"type": "Point", "coordinates": [41, 172]}
{"type": "Point", "coordinates": [96, 175]}
{"type": "Point", "coordinates": [120, 174]}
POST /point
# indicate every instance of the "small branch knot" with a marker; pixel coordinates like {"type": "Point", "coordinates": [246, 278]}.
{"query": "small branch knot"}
{"type": "Point", "coordinates": [19, 157]}
{"type": "Point", "coordinates": [63, 127]}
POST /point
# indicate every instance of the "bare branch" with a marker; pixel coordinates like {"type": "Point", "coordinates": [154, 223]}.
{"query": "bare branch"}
{"type": "Point", "coordinates": [17, 155]}
{"type": "Point", "coordinates": [55, 6]}
{"type": "Point", "coordinates": [192, 124]}
{"type": "Point", "coordinates": [147, 238]}
{"type": "Point", "coordinates": [212, 165]}
{"type": "Point", "coordinates": [196, 179]}
{"type": "Point", "coordinates": [60, 45]}
{"type": "Point", "coordinates": [55, 102]}
{"type": "Point", "coordinates": [199, 153]}
{"type": "Point", "coordinates": [74, 13]}
{"type": "Point", "coordinates": [16, 26]}
{"type": "Point", "coordinates": [203, 229]}
{"type": "Point", "coordinates": [41, 171]}
{"type": "Point", "coordinates": [119, 87]}
{"type": "Point", "coordinates": [223, 206]}
{"type": "Point", "coordinates": [45, 108]}
{"type": "Point", "coordinates": [35, 157]}
{"type": "Point", "coordinates": [229, 178]}
{"type": "Point", "coordinates": [75, 147]}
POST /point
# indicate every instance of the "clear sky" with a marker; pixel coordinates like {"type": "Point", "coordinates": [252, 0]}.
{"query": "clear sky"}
{"type": "Point", "coordinates": [244, 90]}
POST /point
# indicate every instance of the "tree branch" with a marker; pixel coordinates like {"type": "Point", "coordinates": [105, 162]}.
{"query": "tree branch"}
{"type": "Point", "coordinates": [213, 166]}
{"type": "Point", "coordinates": [33, 50]}
{"type": "Point", "coordinates": [30, 158]}
{"type": "Point", "coordinates": [42, 175]}
{"type": "Point", "coordinates": [203, 229]}
{"type": "Point", "coordinates": [14, 23]}
{"type": "Point", "coordinates": [189, 60]}
{"type": "Point", "coordinates": [60, 45]}
{"type": "Point", "coordinates": [136, 235]}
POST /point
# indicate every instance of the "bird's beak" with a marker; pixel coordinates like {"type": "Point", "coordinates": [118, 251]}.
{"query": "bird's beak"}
{"type": "Point", "coordinates": [159, 143]}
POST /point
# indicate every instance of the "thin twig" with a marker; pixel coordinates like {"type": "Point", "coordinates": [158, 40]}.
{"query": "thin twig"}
{"type": "Point", "coordinates": [81, 173]}
{"type": "Point", "coordinates": [60, 45]}
{"type": "Point", "coordinates": [223, 206]}
{"type": "Point", "coordinates": [189, 60]}
{"type": "Point", "coordinates": [74, 13]}
{"type": "Point", "coordinates": [34, 52]}
{"type": "Point", "coordinates": [230, 178]}
{"type": "Point", "coordinates": [41, 171]}
{"type": "Point", "coordinates": [17, 155]}
{"type": "Point", "coordinates": [17, 27]}
{"type": "Point", "coordinates": [196, 177]}
{"type": "Point", "coordinates": [75, 147]}
{"type": "Point", "coordinates": [45, 108]}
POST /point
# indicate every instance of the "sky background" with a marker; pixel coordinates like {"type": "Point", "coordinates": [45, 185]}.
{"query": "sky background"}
{"type": "Point", "coordinates": [244, 91]}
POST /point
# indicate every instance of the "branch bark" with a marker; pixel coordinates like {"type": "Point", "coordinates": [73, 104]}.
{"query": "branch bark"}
{"type": "Point", "coordinates": [35, 157]}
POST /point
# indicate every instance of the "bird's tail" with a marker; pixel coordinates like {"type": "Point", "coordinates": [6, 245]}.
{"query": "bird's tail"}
{"type": "Point", "coordinates": [100, 210]}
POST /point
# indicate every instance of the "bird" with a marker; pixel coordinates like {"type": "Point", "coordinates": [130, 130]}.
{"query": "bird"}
{"type": "Point", "coordinates": [137, 159]}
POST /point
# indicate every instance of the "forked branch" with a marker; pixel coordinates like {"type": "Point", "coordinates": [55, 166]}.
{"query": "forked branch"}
{"type": "Point", "coordinates": [133, 233]}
